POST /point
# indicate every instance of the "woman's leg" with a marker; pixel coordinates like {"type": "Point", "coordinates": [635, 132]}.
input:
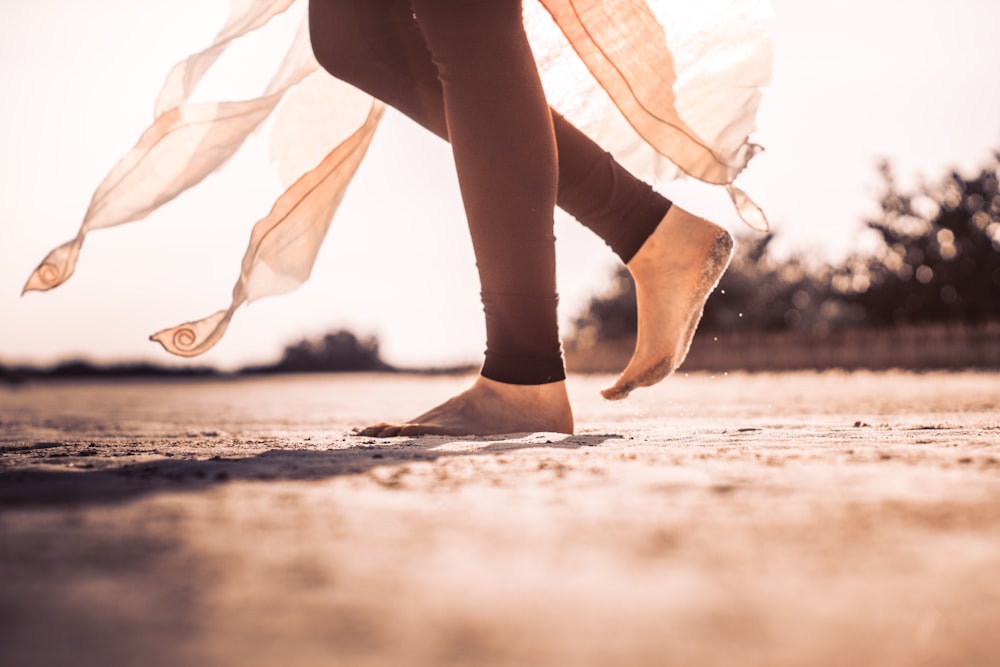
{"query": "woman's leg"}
{"type": "Point", "coordinates": [377, 46]}
{"type": "Point", "coordinates": [500, 129]}
{"type": "Point", "coordinates": [504, 147]}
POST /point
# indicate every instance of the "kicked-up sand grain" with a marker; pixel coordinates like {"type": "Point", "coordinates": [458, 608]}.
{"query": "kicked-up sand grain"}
{"type": "Point", "coordinates": [772, 519]}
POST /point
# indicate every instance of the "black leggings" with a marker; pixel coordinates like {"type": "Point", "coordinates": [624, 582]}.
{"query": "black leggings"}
{"type": "Point", "coordinates": [464, 70]}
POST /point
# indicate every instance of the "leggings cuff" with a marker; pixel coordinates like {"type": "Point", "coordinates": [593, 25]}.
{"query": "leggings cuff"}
{"type": "Point", "coordinates": [512, 369]}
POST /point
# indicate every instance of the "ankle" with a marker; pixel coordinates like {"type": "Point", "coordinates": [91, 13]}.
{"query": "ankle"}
{"type": "Point", "coordinates": [529, 394]}
{"type": "Point", "coordinates": [682, 238]}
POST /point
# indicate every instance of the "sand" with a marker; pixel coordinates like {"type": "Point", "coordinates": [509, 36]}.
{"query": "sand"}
{"type": "Point", "coordinates": [782, 519]}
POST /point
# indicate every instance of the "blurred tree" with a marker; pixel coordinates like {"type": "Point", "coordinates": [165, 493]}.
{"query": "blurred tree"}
{"type": "Point", "coordinates": [939, 261]}
{"type": "Point", "coordinates": [337, 351]}
{"type": "Point", "coordinates": [940, 255]}
{"type": "Point", "coordinates": [611, 316]}
{"type": "Point", "coordinates": [761, 293]}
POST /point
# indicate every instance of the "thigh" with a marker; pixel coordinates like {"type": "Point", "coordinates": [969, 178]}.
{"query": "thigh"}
{"type": "Point", "coordinates": [349, 35]}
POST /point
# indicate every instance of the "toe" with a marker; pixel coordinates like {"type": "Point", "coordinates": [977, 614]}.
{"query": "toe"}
{"type": "Point", "coordinates": [619, 391]}
{"type": "Point", "coordinates": [373, 430]}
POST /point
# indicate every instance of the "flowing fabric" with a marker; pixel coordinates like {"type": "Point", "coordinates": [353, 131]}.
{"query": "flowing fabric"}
{"type": "Point", "coordinates": [671, 87]}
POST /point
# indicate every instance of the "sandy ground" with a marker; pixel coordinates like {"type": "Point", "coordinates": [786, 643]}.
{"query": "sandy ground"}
{"type": "Point", "coordinates": [790, 519]}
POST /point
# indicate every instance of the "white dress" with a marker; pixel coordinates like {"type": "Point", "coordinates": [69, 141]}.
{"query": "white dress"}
{"type": "Point", "coordinates": [674, 79]}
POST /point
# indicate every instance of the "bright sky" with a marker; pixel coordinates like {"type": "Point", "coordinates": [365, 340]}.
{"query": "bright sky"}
{"type": "Point", "coordinates": [853, 81]}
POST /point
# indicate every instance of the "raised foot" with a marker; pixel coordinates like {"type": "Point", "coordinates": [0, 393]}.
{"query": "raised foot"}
{"type": "Point", "coordinates": [674, 271]}
{"type": "Point", "coordinates": [488, 408]}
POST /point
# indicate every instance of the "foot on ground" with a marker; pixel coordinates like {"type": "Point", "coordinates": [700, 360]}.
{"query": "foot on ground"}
{"type": "Point", "coordinates": [674, 271]}
{"type": "Point", "coordinates": [488, 408]}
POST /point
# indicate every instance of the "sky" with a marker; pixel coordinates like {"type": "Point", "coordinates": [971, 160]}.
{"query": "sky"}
{"type": "Point", "coordinates": [853, 82]}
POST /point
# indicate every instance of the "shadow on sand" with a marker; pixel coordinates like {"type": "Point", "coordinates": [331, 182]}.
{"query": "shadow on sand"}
{"type": "Point", "coordinates": [23, 488]}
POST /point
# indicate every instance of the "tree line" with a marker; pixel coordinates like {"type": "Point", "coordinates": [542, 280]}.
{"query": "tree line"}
{"type": "Point", "coordinates": [937, 261]}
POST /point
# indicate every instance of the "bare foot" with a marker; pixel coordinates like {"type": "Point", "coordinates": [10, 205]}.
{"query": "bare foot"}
{"type": "Point", "coordinates": [490, 407]}
{"type": "Point", "coordinates": [674, 271]}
